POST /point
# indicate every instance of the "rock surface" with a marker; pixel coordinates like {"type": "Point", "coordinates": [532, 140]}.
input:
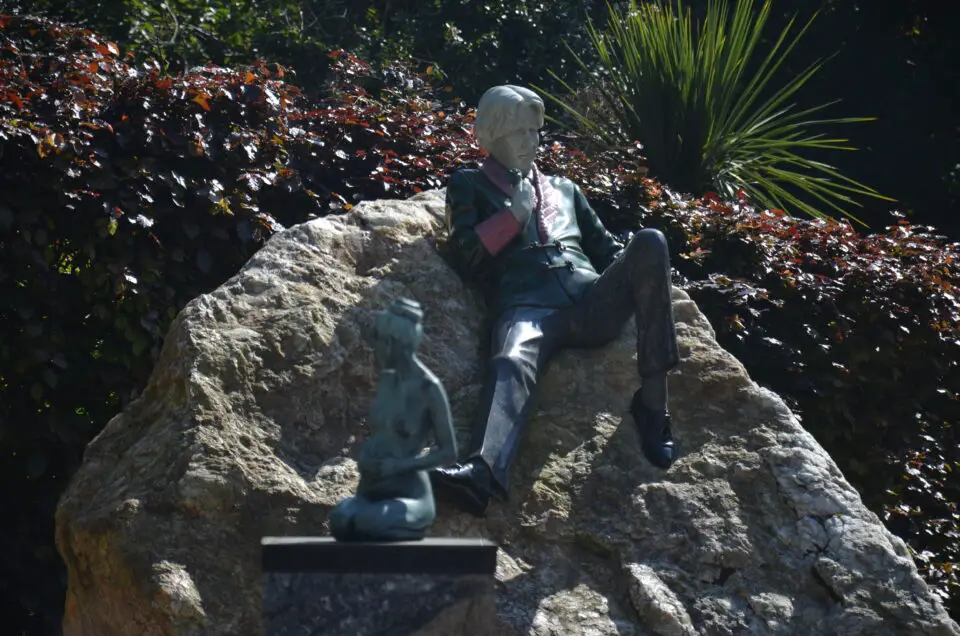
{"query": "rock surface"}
{"type": "Point", "coordinates": [257, 404]}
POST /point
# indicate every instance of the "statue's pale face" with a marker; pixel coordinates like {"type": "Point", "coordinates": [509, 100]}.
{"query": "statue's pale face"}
{"type": "Point", "coordinates": [517, 148]}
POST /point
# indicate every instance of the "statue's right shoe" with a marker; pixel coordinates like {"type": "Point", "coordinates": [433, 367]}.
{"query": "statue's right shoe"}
{"type": "Point", "coordinates": [469, 485]}
{"type": "Point", "coordinates": [656, 435]}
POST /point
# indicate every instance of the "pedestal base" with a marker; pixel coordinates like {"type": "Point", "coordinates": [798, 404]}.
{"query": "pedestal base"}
{"type": "Point", "coordinates": [321, 586]}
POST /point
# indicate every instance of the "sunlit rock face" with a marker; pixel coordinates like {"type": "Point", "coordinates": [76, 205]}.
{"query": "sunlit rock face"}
{"type": "Point", "coordinates": [257, 406]}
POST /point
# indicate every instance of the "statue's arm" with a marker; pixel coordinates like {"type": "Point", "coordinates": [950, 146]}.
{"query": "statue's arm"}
{"type": "Point", "coordinates": [446, 440]}
{"type": "Point", "coordinates": [474, 241]}
{"type": "Point", "coordinates": [598, 244]}
{"type": "Point", "coordinates": [444, 450]}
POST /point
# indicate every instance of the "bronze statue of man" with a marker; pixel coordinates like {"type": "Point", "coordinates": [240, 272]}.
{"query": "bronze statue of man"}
{"type": "Point", "coordinates": [556, 278]}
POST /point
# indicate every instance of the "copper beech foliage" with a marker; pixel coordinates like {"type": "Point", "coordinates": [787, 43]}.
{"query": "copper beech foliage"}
{"type": "Point", "coordinates": [127, 192]}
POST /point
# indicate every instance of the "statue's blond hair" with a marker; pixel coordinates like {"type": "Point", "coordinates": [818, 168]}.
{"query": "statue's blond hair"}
{"type": "Point", "coordinates": [497, 110]}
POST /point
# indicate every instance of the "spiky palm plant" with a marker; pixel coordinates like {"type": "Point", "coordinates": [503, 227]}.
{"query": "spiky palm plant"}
{"type": "Point", "coordinates": [699, 98]}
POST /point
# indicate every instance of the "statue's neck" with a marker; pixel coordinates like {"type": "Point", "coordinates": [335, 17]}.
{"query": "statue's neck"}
{"type": "Point", "coordinates": [500, 174]}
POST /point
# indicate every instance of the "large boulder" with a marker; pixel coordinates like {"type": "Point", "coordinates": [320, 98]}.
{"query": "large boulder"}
{"type": "Point", "coordinates": [256, 407]}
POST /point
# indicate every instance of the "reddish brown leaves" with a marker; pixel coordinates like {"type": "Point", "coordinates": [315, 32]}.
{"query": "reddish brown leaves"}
{"type": "Point", "coordinates": [50, 143]}
{"type": "Point", "coordinates": [107, 48]}
{"type": "Point", "coordinates": [202, 100]}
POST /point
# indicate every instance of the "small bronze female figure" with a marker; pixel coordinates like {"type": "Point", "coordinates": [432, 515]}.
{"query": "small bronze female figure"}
{"type": "Point", "coordinates": [394, 500]}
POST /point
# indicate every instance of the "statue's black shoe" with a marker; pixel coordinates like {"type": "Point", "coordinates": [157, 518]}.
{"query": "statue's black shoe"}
{"type": "Point", "coordinates": [469, 485]}
{"type": "Point", "coordinates": [656, 433]}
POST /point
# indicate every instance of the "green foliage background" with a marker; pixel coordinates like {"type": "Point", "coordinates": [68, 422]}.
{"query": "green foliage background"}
{"type": "Point", "coordinates": [699, 95]}
{"type": "Point", "coordinates": [475, 44]}
{"type": "Point", "coordinates": [91, 347]}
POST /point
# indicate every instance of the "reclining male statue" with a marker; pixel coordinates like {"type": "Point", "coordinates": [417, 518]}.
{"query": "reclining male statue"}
{"type": "Point", "coordinates": [556, 278]}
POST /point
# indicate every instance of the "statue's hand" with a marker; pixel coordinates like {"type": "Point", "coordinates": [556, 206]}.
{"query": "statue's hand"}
{"type": "Point", "coordinates": [379, 467]}
{"type": "Point", "coordinates": [521, 203]}
{"type": "Point", "coordinates": [389, 467]}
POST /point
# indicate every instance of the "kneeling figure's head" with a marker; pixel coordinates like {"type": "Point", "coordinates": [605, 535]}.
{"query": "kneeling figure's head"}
{"type": "Point", "coordinates": [398, 331]}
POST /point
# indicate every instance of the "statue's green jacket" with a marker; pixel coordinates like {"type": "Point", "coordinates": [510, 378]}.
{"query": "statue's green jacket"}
{"type": "Point", "coordinates": [549, 263]}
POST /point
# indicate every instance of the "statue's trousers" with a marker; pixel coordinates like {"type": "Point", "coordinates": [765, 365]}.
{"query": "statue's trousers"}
{"type": "Point", "coordinates": [524, 339]}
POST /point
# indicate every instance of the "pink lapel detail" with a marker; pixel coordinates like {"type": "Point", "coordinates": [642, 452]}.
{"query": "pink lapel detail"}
{"type": "Point", "coordinates": [545, 208]}
{"type": "Point", "coordinates": [496, 232]}
{"type": "Point", "coordinates": [548, 208]}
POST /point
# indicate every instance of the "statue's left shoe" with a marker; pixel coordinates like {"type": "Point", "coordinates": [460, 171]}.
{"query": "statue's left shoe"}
{"type": "Point", "coordinates": [468, 485]}
{"type": "Point", "coordinates": [656, 433]}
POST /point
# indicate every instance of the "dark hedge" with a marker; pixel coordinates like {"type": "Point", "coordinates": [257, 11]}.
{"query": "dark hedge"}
{"type": "Point", "coordinates": [128, 192]}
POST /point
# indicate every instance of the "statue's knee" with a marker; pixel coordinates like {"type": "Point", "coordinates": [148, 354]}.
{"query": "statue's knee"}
{"type": "Point", "coordinates": [648, 245]}
{"type": "Point", "coordinates": [513, 364]}
{"type": "Point", "coordinates": [395, 519]}
{"type": "Point", "coordinates": [650, 239]}
{"type": "Point", "coordinates": [420, 514]}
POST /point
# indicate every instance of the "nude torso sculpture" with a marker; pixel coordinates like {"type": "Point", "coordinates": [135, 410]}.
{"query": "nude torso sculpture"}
{"type": "Point", "coordinates": [394, 500]}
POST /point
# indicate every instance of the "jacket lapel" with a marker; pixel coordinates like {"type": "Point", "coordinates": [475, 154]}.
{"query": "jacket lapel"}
{"type": "Point", "coordinates": [545, 207]}
{"type": "Point", "coordinates": [498, 176]}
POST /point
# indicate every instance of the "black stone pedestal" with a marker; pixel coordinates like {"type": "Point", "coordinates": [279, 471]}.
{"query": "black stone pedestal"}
{"type": "Point", "coordinates": [319, 586]}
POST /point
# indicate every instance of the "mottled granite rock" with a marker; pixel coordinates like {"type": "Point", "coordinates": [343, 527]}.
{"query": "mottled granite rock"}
{"type": "Point", "coordinates": [322, 587]}
{"type": "Point", "coordinates": [255, 411]}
